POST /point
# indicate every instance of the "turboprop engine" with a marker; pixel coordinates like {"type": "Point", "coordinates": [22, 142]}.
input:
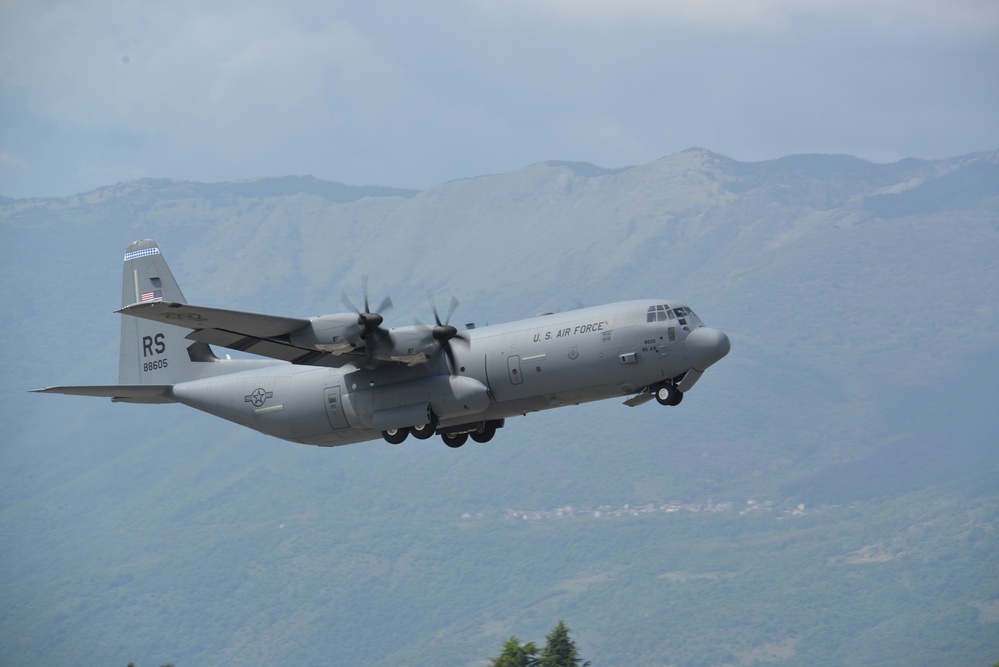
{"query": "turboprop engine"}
{"type": "Point", "coordinates": [330, 333]}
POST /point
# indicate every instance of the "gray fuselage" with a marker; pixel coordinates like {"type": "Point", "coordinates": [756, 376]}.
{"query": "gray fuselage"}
{"type": "Point", "coordinates": [500, 371]}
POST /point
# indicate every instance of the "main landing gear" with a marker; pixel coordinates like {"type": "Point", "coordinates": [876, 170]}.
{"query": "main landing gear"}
{"type": "Point", "coordinates": [454, 440]}
{"type": "Point", "coordinates": [668, 394]}
{"type": "Point", "coordinates": [395, 436]}
{"type": "Point", "coordinates": [424, 431]}
{"type": "Point", "coordinates": [478, 431]}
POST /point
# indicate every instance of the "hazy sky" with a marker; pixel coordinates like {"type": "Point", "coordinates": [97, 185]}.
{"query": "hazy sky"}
{"type": "Point", "coordinates": [414, 94]}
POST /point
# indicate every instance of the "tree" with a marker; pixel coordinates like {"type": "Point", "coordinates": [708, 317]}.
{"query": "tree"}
{"type": "Point", "coordinates": [515, 655]}
{"type": "Point", "coordinates": [560, 650]}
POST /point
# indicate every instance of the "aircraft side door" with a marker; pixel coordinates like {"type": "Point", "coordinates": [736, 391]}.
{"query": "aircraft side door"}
{"type": "Point", "coordinates": [503, 376]}
{"type": "Point", "coordinates": [334, 407]}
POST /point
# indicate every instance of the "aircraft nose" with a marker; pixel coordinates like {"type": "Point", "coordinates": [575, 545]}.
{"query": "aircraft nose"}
{"type": "Point", "coordinates": [705, 346]}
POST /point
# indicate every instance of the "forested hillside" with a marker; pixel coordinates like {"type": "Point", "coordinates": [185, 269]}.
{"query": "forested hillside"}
{"type": "Point", "coordinates": [827, 494]}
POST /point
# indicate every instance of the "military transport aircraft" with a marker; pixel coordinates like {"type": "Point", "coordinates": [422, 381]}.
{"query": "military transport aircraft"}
{"type": "Point", "coordinates": [344, 378]}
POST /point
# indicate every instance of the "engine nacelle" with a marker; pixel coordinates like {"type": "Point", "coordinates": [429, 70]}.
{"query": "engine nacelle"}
{"type": "Point", "coordinates": [410, 345]}
{"type": "Point", "coordinates": [329, 333]}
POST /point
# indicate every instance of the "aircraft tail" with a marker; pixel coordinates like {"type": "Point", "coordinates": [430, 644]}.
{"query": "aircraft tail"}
{"type": "Point", "coordinates": [153, 352]}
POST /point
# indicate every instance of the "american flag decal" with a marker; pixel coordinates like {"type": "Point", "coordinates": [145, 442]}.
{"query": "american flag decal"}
{"type": "Point", "coordinates": [154, 295]}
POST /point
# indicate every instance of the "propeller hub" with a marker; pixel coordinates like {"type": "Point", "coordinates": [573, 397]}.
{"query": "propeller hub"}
{"type": "Point", "coordinates": [444, 332]}
{"type": "Point", "coordinates": [370, 321]}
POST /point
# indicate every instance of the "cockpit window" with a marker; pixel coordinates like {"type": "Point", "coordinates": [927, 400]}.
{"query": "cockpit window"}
{"type": "Point", "coordinates": [662, 313]}
{"type": "Point", "coordinates": [658, 314]}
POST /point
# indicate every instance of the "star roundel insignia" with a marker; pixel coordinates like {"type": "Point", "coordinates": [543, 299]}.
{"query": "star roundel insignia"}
{"type": "Point", "coordinates": [258, 397]}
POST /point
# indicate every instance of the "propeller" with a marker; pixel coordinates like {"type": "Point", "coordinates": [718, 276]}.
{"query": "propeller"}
{"type": "Point", "coordinates": [369, 321]}
{"type": "Point", "coordinates": [443, 332]}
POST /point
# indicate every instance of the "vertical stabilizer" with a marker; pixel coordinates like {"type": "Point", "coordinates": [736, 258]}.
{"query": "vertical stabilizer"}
{"type": "Point", "coordinates": [151, 352]}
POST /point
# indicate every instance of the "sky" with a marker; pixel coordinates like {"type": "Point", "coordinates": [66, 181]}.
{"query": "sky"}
{"type": "Point", "coordinates": [406, 94]}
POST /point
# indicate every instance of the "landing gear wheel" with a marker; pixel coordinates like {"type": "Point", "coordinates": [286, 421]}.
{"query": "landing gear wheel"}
{"type": "Point", "coordinates": [668, 395]}
{"type": "Point", "coordinates": [486, 433]}
{"type": "Point", "coordinates": [424, 431]}
{"type": "Point", "coordinates": [395, 436]}
{"type": "Point", "coordinates": [454, 440]}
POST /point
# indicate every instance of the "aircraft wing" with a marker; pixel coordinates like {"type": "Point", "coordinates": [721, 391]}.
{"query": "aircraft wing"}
{"type": "Point", "coordinates": [200, 317]}
{"type": "Point", "coordinates": [264, 335]}
{"type": "Point", "coordinates": [126, 393]}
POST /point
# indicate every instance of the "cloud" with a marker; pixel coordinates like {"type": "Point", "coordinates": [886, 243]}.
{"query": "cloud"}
{"type": "Point", "coordinates": [10, 160]}
{"type": "Point", "coordinates": [970, 17]}
{"type": "Point", "coordinates": [180, 64]}
{"type": "Point", "coordinates": [414, 94]}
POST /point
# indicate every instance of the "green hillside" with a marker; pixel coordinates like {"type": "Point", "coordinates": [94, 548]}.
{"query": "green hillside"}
{"type": "Point", "coordinates": [828, 493]}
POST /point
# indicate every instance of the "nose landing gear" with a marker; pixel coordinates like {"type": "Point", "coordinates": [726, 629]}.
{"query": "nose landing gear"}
{"type": "Point", "coordinates": [667, 394]}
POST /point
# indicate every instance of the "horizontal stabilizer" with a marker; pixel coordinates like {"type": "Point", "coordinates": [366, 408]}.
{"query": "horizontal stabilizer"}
{"type": "Point", "coordinates": [126, 393]}
{"type": "Point", "coordinates": [200, 317]}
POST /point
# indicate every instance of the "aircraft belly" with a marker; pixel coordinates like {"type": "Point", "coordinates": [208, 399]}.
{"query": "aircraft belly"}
{"type": "Point", "coordinates": [340, 437]}
{"type": "Point", "coordinates": [521, 406]}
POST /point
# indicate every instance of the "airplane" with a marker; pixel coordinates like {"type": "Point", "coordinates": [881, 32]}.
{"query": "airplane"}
{"type": "Point", "coordinates": [345, 378]}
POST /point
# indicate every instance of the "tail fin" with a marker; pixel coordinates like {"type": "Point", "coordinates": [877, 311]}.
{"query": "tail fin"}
{"type": "Point", "coordinates": [153, 352]}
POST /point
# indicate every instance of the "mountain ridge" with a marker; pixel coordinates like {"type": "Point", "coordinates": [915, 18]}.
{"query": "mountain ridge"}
{"type": "Point", "coordinates": [858, 386]}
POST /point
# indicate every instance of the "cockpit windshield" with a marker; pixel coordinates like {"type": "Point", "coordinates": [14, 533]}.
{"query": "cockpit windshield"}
{"type": "Point", "coordinates": [662, 313]}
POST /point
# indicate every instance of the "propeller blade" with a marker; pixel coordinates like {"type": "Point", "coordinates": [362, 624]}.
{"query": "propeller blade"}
{"type": "Point", "coordinates": [433, 306]}
{"type": "Point", "coordinates": [350, 304]}
{"type": "Point", "coordinates": [450, 357]}
{"type": "Point", "coordinates": [385, 305]}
